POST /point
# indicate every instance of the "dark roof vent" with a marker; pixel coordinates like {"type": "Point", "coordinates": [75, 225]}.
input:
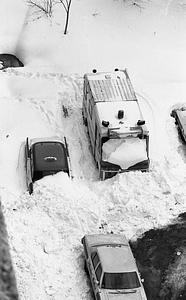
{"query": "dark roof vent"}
{"type": "Point", "coordinates": [140, 122]}
{"type": "Point", "coordinates": [116, 69]}
{"type": "Point", "coordinates": [120, 114]}
{"type": "Point", "coordinates": [105, 123]}
{"type": "Point", "coordinates": [94, 71]}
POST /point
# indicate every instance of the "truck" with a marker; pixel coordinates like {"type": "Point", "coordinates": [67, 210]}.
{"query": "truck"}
{"type": "Point", "coordinates": [179, 114]}
{"type": "Point", "coordinates": [118, 133]}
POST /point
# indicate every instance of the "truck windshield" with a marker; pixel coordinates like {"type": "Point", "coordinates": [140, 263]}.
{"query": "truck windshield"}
{"type": "Point", "coordinates": [127, 280]}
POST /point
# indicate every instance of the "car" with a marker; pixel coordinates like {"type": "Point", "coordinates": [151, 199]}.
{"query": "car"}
{"type": "Point", "coordinates": [45, 156]}
{"type": "Point", "coordinates": [9, 61]}
{"type": "Point", "coordinates": [179, 114]}
{"type": "Point", "coordinates": [112, 269]}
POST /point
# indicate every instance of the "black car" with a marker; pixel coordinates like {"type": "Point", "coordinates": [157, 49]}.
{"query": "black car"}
{"type": "Point", "coordinates": [9, 61]}
{"type": "Point", "coordinates": [45, 156]}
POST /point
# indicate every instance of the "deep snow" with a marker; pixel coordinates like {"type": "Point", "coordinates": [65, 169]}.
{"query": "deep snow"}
{"type": "Point", "coordinates": [44, 99]}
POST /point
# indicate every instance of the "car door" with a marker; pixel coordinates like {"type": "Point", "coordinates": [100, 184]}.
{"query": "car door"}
{"type": "Point", "coordinates": [98, 272]}
{"type": "Point", "coordinates": [28, 167]}
{"type": "Point", "coordinates": [95, 274]}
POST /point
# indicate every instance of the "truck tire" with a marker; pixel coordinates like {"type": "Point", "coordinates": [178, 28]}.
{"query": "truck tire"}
{"type": "Point", "coordinates": [84, 121]}
{"type": "Point", "coordinates": [30, 188]}
{"type": "Point", "coordinates": [85, 268]}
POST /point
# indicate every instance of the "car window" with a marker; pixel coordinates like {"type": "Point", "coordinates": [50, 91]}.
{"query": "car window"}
{"type": "Point", "coordinates": [127, 280]}
{"type": "Point", "coordinates": [95, 259]}
{"type": "Point", "coordinates": [85, 249]}
{"type": "Point", "coordinates": [98, 272]}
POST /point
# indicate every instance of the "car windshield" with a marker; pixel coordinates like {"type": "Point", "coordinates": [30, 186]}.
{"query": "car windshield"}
{"type": "Point", "coordinates": [127, 280]}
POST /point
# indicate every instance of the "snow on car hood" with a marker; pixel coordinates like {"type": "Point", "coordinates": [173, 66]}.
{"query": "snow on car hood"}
{"type": "Point", "coordinates": [122, 295]}
{"type": "Point", "coordinates": [124, 152]}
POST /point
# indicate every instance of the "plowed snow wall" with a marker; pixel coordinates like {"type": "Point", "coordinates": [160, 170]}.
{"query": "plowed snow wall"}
{"type": "Point", "coordinates": [8, 288]}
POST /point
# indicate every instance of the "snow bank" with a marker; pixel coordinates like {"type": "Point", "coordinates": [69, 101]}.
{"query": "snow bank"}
{"type": "Point", "coordinates": [125, 153]}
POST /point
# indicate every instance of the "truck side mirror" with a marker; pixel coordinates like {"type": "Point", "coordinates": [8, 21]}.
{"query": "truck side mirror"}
{"type": "Point", "coordinates": [140, 122]}
{"type": "Point", "coordinates": [105, 123]}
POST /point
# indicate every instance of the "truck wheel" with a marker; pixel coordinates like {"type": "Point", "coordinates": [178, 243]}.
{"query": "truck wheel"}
{"type": "Point", "coordinates": [85, 268]}
{"type": "Point", "coordinates": [30, 188]}
{"type": "Point", "coordinates": [101, 175]}
{"type": "Point", "coordinates": [85, 121]}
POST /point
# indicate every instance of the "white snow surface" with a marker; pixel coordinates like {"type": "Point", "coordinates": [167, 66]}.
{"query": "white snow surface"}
{"type": "Point", "coordinates": [45, 229]}
{"type": "Point", "coordinates": [109, 112]}
{"type": "Point", "coordinates": [125, 152]}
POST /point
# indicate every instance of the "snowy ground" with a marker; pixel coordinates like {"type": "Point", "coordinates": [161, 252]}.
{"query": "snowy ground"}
{"type": "Point", "coordinates": [45, 229]}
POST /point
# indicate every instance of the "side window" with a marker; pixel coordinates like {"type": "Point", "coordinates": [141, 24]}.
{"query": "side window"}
{"type": "Point", "coordinates": [98, 272]}
{"type": "Point", "coordinates": [96, 133]}
{"type": "Point", "coordinates": [89, 98]}
{"type": "Point", "coordinates": [98, 141]}
{"type": "Point", "coordinates": [95, 259]}
{"type": "Point", "coordinates": [84, 87]}
{"type": "Point", "coordinates": [85, 249]}
{"type": "Point", "coordinates": [87, 88]}
{"type": "Point", "coordinates": [91, 104]}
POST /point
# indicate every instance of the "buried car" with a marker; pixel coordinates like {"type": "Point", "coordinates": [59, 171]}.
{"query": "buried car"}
{"type": "Point", "coordinates": [45, 156]}
{"type": "Point", "coordinates": [9, 61]}
{"type": "Point", "coordinates": [111, 267]}
{"type": "Point", "coordinates": [179, 114]}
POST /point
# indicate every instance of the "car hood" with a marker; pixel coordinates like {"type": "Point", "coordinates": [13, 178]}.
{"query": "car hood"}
{"type": "Point", "coordinates": [121, 295]}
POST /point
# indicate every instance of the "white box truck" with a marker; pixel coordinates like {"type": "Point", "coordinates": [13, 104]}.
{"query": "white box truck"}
{"type": "Point", "coordinates": [117, 130]}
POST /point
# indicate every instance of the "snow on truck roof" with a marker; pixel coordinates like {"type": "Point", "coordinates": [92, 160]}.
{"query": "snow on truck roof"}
{"type": "Point", "coordinates": [111, 86]}
{"type": "Point", "coordinates": [109, 112]}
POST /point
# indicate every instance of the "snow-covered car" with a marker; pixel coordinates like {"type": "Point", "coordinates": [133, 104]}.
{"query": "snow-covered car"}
{"type": "Point", "coordinates": [179, 114]}
{"type": "Point", "coordinates": [45, 156]}
{"type": "Point", "coordinates": [111, 267]}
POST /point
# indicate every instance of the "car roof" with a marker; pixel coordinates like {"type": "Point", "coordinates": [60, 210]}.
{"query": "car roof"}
{"type": "Point", "coordinates": [116, 259]}
{"type": "Point", "coordinates": [94, 240]}
{"type": "Point", "coordinates": [49, 156]}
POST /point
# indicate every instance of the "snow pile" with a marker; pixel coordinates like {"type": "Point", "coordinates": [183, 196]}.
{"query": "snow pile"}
{"type": "Point", "coordinates": [45, 229]}
{"type": "Point", "coordinates": [125, 152]}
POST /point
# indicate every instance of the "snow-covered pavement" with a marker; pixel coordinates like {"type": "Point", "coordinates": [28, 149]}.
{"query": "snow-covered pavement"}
{"type": "Point", "coordinates": [45, 98]}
